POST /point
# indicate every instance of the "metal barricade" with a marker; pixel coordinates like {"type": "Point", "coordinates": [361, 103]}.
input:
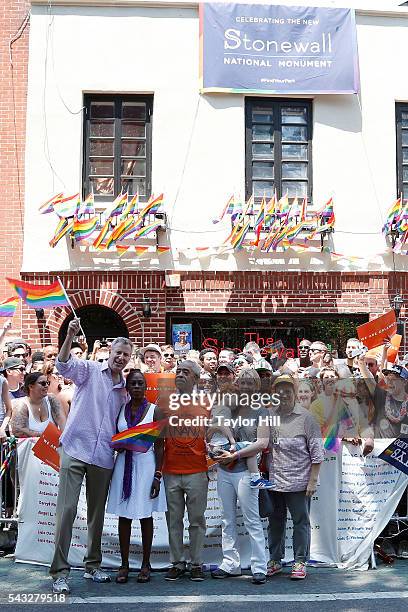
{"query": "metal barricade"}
{"type": "Point", "coordinates": [9, 491]}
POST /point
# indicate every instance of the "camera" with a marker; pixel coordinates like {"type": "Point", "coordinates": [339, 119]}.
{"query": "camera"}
{"type": "Point", "coordinates": [359, 351]}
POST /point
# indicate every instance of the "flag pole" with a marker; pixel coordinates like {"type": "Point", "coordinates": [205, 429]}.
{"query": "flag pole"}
{"type": "Point", "coordinates": [70, 305]}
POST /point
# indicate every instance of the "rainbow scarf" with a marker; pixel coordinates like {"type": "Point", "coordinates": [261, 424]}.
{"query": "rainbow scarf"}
{"type": "Point", "coordinates": [8, 307]}
{"type": "Point", "coordinates": [40, 296]}
{"type": "Point", "coordinates": [139, 438]}
{"type": "Point", "coordinates": [84, 228]}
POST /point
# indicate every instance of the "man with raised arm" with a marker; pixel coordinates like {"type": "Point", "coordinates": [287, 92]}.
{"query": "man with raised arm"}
{"type": "Point", "coordinates": [85, 451]}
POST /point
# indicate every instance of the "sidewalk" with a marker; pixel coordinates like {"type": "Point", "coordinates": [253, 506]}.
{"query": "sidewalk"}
{"type": "Point", "coordinates": [386, 582]}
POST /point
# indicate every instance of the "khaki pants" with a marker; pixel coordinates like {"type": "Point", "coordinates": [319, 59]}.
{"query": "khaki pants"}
{"type": "Point", "coordinates": [186, 490]}
{"type": "Point", "coordinates": [72, 472]}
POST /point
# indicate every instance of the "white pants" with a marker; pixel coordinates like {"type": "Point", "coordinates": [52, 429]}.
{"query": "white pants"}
{"type": "Point", "coordinates": [233, 486]}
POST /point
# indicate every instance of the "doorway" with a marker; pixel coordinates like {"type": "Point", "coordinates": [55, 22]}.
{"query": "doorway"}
{"type": "Point", "coordinates": [98, 323]}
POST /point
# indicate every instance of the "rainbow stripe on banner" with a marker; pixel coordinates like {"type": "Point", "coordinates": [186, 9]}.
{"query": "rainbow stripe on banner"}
{"type": "Point", "coordinates": [140, 438]}
{"type": "Point", "coordinates": [8, 307]}
{"type": "Point", "coordinates": [39, 296]}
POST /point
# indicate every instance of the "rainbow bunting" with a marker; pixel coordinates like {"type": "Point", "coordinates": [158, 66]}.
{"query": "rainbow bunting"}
{"type": "Point", "coordinates": [102, 235]}
{"type": "Point", "coordinates": [84, 228]}
{"type": "Point", "coordinates": [147, 229]}
{"type": "Point", "coordinates": [162, 249]}
{"type": "Point", "coordinates": [117, 205]}
{"type": "Point", "coordinates": [67, 207]}
{"type": "Point", "coordinates": [121, 249]}
{"type": "Point", "coordinates": [40, 296]}
{"type": "Point", "coordinates": [48, 206]}
{"type": "Point", "coordinates": [64, 226]}
{"type": "Point", "coordinates": [141, 250]}
{"type": "Point", "coordinates": [88, 206]}
{"type": "Point", "coordinates": [8, 307]}
{"type": "Point", "coordinates": [140, 438]}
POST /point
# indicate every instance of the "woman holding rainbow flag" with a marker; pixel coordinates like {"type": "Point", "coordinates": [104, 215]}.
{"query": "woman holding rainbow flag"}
{"type": "Point", "coordinates": [135, 491]}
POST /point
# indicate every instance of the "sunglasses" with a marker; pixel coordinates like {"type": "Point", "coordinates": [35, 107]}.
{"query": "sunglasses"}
{"type": "Point", "coordinates": [304, 346]}
{"type": "Point", "coordinates": [102, 360]}
{"type": "Point", "coordinates": [43, 383]}
{"type": "Point", "coordinates": [20, 369]}
{"type": "Point", "coordinates": [20, 355]}
{"type": "Point", "coordinates": [168, 354]}
{"type": "Point", "coordinates": [316, 350]}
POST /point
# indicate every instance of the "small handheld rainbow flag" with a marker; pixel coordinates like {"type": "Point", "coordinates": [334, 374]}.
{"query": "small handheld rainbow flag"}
{"type": "Point", "coordinates": [8, 307]}
{"type": "Point", "coordinates": [40, 296]}
{"type": "Point", "coordinates": [140, 438]}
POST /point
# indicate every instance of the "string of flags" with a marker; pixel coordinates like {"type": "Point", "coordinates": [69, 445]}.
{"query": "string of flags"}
{"type": "Point", "coordinates": [79, 220]}
{"type": "Point", "coordinates": [396, 225]}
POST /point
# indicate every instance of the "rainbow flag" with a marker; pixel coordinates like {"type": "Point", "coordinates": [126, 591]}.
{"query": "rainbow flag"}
{"type": "Point", "coordinates": [403, 218]}
{"type": "Point", "coordinates": [393, 214]}
{"type": "Point", "coordinates": [64, 226]}
{"type": "Point", "coordinates": [118, 205]}
{"type": "Point", "coordinates": [48, 206]}
{"type": "Point", "coordinates": [294, 210]}
{"type": "Point", "coordinates": [282, 207]}
{"type": "Point", "coordinates": [84, 228]}
{"type": "Point", "coordinates": [88, 206]}
{"type": "Point", "coordinates": [131, 207]}
{"type": "Point", "coordinates": [102, 234]}
{"type": "Point", "coordinates": [147, 229]}
{"type": "Point", "coordinates": [239, 237]}
{"type": "Point", "coordinates": [153, 205]}
{"type": "Point", "coordinates": [327, 213]}
{"type": "Point", "coordinates": [140, 438]}
{"type": "Point", "coordinates": [67, 207]}
{"type": "Point", "coordinates": [124, 229]}
{"type": "Point", "coordinates": [293, 232]}
{"type": "Point", "coordinates": [303, 210]}
{"type": "Point", "coordinates": [8, 307]}
{"type": "Point", "coordinates": [228, 209]}
{"type": "Point", "coordinates": [40, 296]}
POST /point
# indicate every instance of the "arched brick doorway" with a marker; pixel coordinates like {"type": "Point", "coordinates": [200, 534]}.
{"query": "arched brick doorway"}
{"type": "Point", "coordinates": [98, 322]}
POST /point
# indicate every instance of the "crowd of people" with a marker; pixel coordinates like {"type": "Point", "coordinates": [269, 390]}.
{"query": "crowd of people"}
{"type": "Point", "coordinates": [262, 423]}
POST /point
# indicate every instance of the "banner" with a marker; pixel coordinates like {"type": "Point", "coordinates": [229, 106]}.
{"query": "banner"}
{"type": "Point", "coordinates": [396, 454]}
{"type": "Point", "coordinates": [375, 332]}
{"type": "Point", "coordinates": [354, 501]}
{"type": "Point", "coordinates": [278, 49]}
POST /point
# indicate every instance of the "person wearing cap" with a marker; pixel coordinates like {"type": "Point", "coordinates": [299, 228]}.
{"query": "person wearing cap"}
{"type": "Point", "coordinates": [225, 377]}
{"type": "Point", "coordinates": [264, 370]}
{"type": "Point", "coordinates": [390, 404]}
{"type": "Point", "coordinates": [152, 356]}
{"type": "Point", "coordinates": [296, 453]}
{"type": "Point", "coordinates": [13, 371]}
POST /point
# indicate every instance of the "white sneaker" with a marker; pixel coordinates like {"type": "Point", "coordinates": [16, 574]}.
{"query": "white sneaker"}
{"type": "Point", "coordinates": [60, 585]}
{"type": "Point", "coordinates": [97, 575]}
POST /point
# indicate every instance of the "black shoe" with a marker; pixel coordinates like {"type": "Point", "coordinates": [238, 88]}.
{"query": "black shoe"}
{"type": "Point", "coordinates": [174, 573]}
{"type": "Point", "coordinates": [259, 578]}
{"type": "Point", "coordinates": [196, 573]}
{"type": "Point", "coordinates": [220, 573]}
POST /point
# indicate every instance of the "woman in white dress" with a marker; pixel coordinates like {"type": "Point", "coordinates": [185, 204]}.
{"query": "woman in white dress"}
{"type": "Point", "coordinates": [135, 491]}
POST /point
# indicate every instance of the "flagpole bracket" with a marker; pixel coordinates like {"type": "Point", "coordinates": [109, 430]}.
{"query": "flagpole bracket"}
{"type": "Point", "coordinates": [72, 238]}
{"type": "Point", "coordinates": [323, 235]}
{"type": "Point", "coordinates": [393, 235]}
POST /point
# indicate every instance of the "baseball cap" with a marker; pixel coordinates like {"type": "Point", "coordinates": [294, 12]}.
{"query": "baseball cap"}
{"type": "Point", "coordinates": [398, 370]}
{"type": "Point", "coordinates": [284, 378]}
{"type": "Point", "coordinates": [12, 362]}
{"type": "Point", "coordinates": [151, 347]}
{"type": "Point", "coordinates": [226, 366]}
{"type": "Point", "coordinates": [262, 364]}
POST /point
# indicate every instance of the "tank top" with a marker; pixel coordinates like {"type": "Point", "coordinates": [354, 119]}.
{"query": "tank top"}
{"type": "Point", "coordinates": [39, 426]}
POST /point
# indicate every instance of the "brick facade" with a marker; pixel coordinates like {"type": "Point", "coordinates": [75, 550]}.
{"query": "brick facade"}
{"type": "Point", "coordinates": [208, 292]}
{"type": "Point", "coordinates": [14, 30]}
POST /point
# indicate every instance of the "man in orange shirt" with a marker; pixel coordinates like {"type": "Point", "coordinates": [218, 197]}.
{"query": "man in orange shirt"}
{"type": "Point", "coordinates": [185, 472]}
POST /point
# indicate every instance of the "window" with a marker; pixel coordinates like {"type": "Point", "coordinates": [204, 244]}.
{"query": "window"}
{"type": "Point", "coordinates": [402, 149]}
{"type": "Point", "coordinates": [117, 146]}
{"type": "Point", "coordinates": [278, 148]}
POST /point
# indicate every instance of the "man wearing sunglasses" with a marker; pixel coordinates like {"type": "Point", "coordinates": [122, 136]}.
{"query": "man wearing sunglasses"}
{"type": "Point", "coordinates": [99, 396]}
{"type": "Point", "coordinates": [13, 371]}
{"type": "Point", "coordinates": [168, 361]}
{"type": "Point", "coordinates": [21, 350]}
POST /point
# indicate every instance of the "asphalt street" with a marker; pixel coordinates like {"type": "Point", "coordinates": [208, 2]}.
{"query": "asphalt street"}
{"type": "Point", "coordinates": [325, 589]}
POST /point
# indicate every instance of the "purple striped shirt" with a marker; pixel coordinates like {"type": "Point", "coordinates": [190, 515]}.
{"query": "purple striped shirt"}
{"type": "Point", "coordinates": [95, 407]}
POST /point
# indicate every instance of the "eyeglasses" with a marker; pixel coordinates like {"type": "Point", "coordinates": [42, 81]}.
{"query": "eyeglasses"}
{"type": "Point", "coordinates": [316, 350]}
{"type": "Point", "coordinates": [304, 346]}
{"type": "Point", "coordinates": [168, 354]}
{"type": "Point", "coordinates": [20, 369]}
{"type": "Point", "coordinates": [102, 360]}
{"type": "Point", "coordinates": [20, 355]}
{"type": "Point", "coordinates": [43, 383]}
